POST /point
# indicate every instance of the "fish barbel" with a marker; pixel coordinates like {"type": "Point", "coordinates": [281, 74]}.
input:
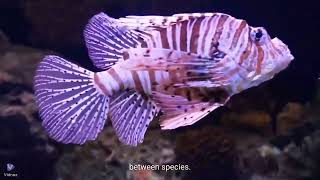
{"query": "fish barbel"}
{"type": "Point", "coordinates": [185, 65]}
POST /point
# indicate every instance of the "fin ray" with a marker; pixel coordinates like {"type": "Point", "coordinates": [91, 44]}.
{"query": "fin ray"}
{"type": "Point", "coordinates": [73, 111]}
{"type": "Point", "coordinates": [130, 115]}
{"type": "Point", "coordinates": [179, 111]}
{"type": "Point", "coordinates": [151, 22]}
{"type": "Point", "coordinates": [105, 38]}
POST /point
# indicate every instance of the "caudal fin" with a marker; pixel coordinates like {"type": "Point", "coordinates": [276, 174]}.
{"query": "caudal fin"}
{"type": "Point", "coordinates": [72, 109]}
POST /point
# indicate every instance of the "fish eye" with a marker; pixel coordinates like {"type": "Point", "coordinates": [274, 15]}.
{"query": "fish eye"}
{"type": "Point", "coordinates": [258, 35]}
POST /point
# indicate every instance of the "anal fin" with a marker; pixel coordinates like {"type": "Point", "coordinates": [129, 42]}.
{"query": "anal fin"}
{"type": "Point", "coordinates": [130, 114]}
{"type": "Point", "coordinates": [179, 111]}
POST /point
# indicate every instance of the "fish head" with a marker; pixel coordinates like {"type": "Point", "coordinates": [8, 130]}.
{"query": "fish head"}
{"type": "Point", "coordinates": [268, 55]}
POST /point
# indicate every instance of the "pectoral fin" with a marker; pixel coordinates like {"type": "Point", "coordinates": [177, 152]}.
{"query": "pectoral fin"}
{"type": "Point", "coordinates": [179, 111]}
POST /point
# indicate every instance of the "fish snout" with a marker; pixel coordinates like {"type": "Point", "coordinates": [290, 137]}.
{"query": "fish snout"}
{"type": "Point", "coordinates": [283, 49]}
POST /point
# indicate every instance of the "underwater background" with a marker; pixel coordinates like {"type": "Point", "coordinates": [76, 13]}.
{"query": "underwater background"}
{"type": "Point", "coordinates": [236, 142]}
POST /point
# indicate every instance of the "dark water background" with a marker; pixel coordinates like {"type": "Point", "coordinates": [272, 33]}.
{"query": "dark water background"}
{"type": "Point", "coordinates": [57, 25]}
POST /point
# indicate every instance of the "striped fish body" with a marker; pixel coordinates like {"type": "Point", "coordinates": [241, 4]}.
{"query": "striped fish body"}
{"type": "Point", "coordinates": [185, 65]}
{"type": "Point", "coordinates": [205, 36]}
{"type": "Point", "coordinates": [118, 79]}
{"type": "Point", "coordinates": [151, 76]}
{"type": "Point", "coordinates": [191, 35]}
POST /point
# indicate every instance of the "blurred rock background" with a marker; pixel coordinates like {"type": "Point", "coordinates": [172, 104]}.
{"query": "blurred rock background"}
{"type": "Point", "coordinates": [266, 133]}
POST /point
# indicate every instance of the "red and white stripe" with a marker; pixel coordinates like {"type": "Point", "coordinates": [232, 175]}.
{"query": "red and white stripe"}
{"type": "Point", "coordinates": [115, 79]}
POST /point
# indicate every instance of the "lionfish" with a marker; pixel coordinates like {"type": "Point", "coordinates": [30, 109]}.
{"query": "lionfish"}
{"type": "Point", "coordinates": [184, 65]}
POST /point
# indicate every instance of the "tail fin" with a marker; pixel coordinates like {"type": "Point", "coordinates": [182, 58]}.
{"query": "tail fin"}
{"type": "Point", "coordinates": [72, 109]}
